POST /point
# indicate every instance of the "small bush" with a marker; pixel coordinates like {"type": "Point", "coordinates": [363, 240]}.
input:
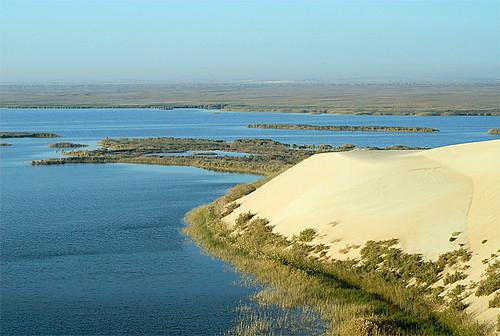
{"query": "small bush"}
{"type": "Point", "coordinates": [230, 208]}
{"type": "Point", "coordinates": [453, 277]}
{"type": "Point", "coordinates": [307, 235]}
{"type": "Point", "coordinates": [243, 219]}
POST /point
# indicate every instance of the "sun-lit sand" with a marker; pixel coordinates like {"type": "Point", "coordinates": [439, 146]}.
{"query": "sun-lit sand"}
{"type": "Point", "coordinates": [420, 197]}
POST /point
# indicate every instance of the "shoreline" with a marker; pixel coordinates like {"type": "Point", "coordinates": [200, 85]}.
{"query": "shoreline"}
{"type": "Point", "coordinates": [261, 109]}
{"type": "Point", "coordinates": [314, 98]}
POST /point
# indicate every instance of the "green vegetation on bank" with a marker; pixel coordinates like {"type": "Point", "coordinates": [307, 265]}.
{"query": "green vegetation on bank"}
{"type": "Point", "coordinates": [356, 98]}
{"type": "Point", "coordinates": [66, 145]}
{"type": "Point", "coordinates": [494, 131]}
{"type": "Point", "coordinates": [346, 128]}
{"type": "Point", "coordinates": [7, 135]}
{"type": "Point", "coordinates": [386, 292]}
{"type": "Point", "coordinates": [265, 156]}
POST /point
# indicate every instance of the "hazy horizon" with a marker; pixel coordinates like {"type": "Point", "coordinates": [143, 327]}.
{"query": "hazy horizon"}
{"type": "Point", "coordinates": [143, 42]}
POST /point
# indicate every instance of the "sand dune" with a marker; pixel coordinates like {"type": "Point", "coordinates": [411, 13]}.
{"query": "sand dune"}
{"type": "Point", "coordinates": [420, 197]}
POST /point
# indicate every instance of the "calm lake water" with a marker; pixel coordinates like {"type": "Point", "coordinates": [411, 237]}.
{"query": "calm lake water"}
{"type": "Point", "coordinates": [98, 249]}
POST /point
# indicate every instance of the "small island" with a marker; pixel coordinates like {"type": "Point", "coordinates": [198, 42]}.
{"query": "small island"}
{"type": "Point", "coordinates": [66, 145]}
{"type": "Point", "coordinates": [5, 144]}
{"type": "Point", "coordinates": [7, 135]}
{"type": "Point", "coordinates": [346, 128]}
{"type": "Point", "coordinates": [494, 131]}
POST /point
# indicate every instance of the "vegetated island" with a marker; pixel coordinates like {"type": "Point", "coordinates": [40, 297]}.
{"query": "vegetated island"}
{"type": "Point", "coordinates": [7, 135]}
{"type": "Point", "coordinates": [346, 128]}
{"type": "Point", "coordinates": [397, 262]}
{"type": "Point", "coordinates": [67, 145]}
{"type": "Point", "coordinates": [265, 156]}
{"type": "Point", "coordinates": [5, 144]}
{"type": "Point", "coordinates": [494, 131]}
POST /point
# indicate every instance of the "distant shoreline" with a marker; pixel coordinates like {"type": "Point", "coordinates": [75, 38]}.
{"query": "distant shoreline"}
{"type": "Point", "coordinates": [374, 99]}
{"type": "Point", "coordinates": [261, 110]}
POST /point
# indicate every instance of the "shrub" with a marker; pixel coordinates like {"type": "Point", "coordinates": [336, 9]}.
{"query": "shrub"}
{"type": "Point", "coordinates": [307, 235]}
{"type": "Point", "coordinates": [230, 208]}
{"type": "Point", "coordinates": [453, 277]}
{"type": "Point", "coordinates": [242, 220]}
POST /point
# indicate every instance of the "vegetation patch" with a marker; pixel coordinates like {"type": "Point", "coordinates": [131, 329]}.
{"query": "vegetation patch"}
{"type": "Point", "coordinates": [495, 302]}
{"type": "Point", "coordinates": [453, 277]}
{"type": "Point", "coordinates": [306, 235]}
{"type": "Point", "coordinates": [494, 131]}
{"type": "Point", "coordinates": [490, 282]}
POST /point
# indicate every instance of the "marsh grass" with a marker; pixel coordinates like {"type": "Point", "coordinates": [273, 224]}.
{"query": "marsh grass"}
{"type": "Point", "coordinates": [371, 297]}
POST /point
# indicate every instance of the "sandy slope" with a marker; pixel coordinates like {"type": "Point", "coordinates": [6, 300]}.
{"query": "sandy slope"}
{"type": "Point", "coordinates": [419, 197]}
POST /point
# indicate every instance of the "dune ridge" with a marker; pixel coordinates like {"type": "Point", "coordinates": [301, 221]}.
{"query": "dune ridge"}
{"type": "Point", "coordinates": [433, 201]}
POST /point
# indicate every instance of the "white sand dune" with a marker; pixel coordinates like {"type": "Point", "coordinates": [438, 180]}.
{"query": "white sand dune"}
{"type": "Point", "coordinates": [420, 197]}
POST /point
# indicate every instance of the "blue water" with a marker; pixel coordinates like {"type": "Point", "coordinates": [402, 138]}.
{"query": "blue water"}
{"type": "Point", "coordinates": [98, 249]}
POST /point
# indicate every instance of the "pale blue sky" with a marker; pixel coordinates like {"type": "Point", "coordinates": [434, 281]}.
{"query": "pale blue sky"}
{"type": "Point", "coordinates": [176, 41]}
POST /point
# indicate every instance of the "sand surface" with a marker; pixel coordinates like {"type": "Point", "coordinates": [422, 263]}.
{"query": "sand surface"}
{"type": "Point", "coordinates": [420, 197]}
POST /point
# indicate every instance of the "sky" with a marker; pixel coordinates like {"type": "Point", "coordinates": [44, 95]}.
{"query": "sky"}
{"type": "Point", "coordinates": [146, 41]}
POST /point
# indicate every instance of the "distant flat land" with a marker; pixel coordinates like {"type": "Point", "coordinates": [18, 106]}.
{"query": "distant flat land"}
{"type": "Point", "coordinates": [390, 99]}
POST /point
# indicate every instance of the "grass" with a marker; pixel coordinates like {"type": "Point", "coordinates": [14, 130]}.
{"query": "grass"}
{"type": "Point", "coordinates": [371, 297]}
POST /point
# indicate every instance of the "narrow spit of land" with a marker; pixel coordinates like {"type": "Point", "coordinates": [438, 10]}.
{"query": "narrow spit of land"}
{"type": "Point", "coordinates": [346, 128]}
{"type": "Point", "coordinates": [8, 135]}
{"type": "Point", "coordinates": [66, 145]}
